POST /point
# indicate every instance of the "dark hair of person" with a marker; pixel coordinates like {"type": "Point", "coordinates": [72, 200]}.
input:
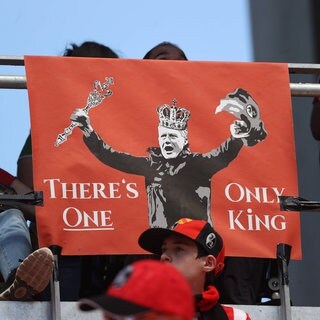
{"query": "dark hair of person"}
{"type": "Point", "coordinates": [89, 49]}
{"type": "Point", "coordinates": [201, 251]}
{"type": "Point", "coordinates": [164, 44]}
{"type": "Point", "coordinates": [210, 277]}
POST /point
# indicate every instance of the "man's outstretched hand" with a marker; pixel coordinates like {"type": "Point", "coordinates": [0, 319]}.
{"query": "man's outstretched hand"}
{"type": "Point", "coordinates": [81, 118]}
{"type": "Point", "coordinates": [249, 127]}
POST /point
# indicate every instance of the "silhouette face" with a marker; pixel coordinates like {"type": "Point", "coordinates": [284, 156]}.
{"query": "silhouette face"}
{"type": "Point", "coordinates": [171, 142]}
{"type": "Point", "coordinates": [166, 52]}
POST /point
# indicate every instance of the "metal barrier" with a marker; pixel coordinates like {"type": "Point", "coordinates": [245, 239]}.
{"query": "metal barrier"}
{"type": "Point", "coordinates": [11, 310]}
{"type": "Point", "coordinates": [297, 89]}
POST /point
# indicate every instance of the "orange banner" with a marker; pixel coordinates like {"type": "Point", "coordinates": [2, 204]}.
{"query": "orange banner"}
{"type": "Point", "coordinates": [152, 141]}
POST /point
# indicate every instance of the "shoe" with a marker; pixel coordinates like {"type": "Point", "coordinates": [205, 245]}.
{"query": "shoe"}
{"type": "Point", "coordinates": [31, 277]}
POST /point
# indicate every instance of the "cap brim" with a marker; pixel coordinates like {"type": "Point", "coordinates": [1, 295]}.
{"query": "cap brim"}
{"type": "Point", "coordinates": [151, 240]}
{"type": "Point", "coordinates": [112, 305]}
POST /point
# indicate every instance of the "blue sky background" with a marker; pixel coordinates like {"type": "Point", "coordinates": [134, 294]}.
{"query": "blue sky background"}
{"type": "Point", "coordinates": [208, 30]}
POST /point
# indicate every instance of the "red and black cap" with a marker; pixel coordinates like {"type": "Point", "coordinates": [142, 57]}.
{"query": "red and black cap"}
{"type": "Point", "coordinates": [199, 231]}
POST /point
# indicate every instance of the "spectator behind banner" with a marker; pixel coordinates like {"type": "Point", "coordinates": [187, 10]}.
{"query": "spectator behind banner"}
{"type": "Point", "coordinates": [25, 273]}
{"type": "Point", "coordinates": [79, 275]}
{"type": "Point", "coordinates": [165, 51]}
{"type": "Point", "coordinates": [197, 251]}
{"type": "Point", "coordinates": [146, 289]}
{"type": "Point", "coordinates": [87, 49]}
{"type": "Point", "coordinates": [231, 294]}
{"type": "Point", "coordinates": [244, 279]}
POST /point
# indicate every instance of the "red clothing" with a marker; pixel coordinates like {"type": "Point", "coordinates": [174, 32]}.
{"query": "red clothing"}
{"type": "Point", "coordinates": [208, 307]}
{"type": "Point", "coordinates": [236, 314]}
{"type": "Point", "coordinates": [6, 178]}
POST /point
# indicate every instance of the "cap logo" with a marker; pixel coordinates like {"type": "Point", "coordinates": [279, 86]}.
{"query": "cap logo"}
{"type": "Point", "coordinates": [181, 221]}
{"type": "Point", "coordinates": [211, 240]}
{"type": "Point", "coordinates": [123, 276]}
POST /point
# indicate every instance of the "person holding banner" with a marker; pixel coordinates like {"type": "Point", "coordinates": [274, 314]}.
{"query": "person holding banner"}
{"type": "Point", "coordinates": [178, 182]}
{"type": "Point", "coordinates": [89, 49]}
{"type": "Point", "coordinates": [146, 289]}
{"type": "Point", "coordinates": [26, 273]}
{"type": "Point", "coordinates": [197, 251]}
{"type": "Point", "coordinates": [77, 273]}
{"type": "Point", "coordinates": [165, 51]}
{"type": "Point", "coordinates": [162, 51]}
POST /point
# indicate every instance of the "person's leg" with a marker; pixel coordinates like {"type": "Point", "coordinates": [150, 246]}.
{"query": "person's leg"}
{"type": "Point", "coordinates": [15, 243]}
{"type": "Point", "coordinates": [26, 273]}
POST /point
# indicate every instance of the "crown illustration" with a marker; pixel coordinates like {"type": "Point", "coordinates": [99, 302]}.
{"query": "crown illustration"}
{"type": "Point", "coordinates": [173, 117]}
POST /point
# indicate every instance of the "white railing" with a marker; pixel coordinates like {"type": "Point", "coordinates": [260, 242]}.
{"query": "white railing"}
{"type": "Point", "coordinates": [297, 89]}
